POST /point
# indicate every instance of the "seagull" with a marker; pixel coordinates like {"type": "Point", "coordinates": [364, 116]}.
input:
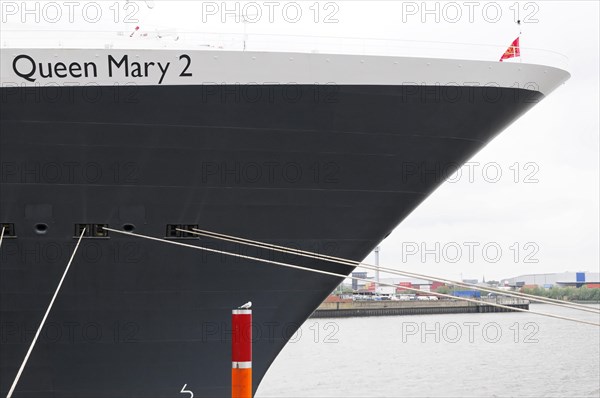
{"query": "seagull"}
{"type": "Point", "coordinates": [247, 305]}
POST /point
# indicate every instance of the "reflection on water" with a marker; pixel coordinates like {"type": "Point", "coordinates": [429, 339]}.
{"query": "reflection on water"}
{"type": "Point", "coordinates": [454, 355]}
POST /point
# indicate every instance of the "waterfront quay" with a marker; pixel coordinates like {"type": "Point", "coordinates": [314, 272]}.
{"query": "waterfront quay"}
{"type": "Point", "coordinates": [349, 308]}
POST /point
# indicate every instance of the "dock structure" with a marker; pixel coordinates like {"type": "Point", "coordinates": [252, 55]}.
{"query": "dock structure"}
{"type": "Point", "coordinates": [347, 309]}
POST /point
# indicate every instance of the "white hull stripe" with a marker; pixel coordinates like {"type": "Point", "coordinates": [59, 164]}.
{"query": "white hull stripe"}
{"type": "Point", "coordinates": [72, 67]}
{"type": "Point", "coordinates": [241, 312]}
{"type": "Point", "coordinates": [241, 365]}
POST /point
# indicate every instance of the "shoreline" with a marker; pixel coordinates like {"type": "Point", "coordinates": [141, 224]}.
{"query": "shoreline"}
{"type": "Point", "coordinates": [347, 309]}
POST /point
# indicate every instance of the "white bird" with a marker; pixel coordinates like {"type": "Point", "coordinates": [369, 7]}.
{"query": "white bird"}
{"type": "Point", "coordinates": [247, 305]}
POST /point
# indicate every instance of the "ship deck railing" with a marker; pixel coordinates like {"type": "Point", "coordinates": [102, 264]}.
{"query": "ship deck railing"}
{"type": "Point", "coordinates": [189, 40]}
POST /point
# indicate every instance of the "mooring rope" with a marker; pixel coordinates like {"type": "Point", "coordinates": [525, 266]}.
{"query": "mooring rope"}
{"type": "Point", "coordinates": [37, 334]}
{"type": "Point", "coordinates": [1, 237]}
{"type": "Point", "coordinates": [286, 265]}
{"type": "Point", "coordinates": [343, 261]}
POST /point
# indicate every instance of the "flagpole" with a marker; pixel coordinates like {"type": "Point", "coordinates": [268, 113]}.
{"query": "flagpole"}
{"type": "Point", "coordinates": [520, 33]}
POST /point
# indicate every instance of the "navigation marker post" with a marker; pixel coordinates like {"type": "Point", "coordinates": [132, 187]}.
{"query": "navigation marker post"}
{"type": "Point", "coordinates": [241, 352]}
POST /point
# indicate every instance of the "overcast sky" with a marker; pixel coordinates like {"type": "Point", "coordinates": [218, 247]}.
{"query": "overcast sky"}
{"type": "Point", "coordinates": [559, 214]}
{"type": "Point", "coordinates": [553, 221]}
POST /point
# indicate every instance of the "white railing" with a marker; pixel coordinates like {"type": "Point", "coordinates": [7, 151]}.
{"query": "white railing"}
{"type": "Point", "coordinates": [173, 39]}
{"type": "Point", "coordinates": [506, 300]}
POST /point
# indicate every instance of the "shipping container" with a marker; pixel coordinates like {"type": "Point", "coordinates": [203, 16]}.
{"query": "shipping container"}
{"type": "Point", "coordinates": [529, 286]}
{"type": "Point", "coordinates": [467, 293]}
{"type": "Point", "coordinates": [593, 285]}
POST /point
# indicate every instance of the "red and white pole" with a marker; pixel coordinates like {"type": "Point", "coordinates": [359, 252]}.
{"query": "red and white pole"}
{"type": "Point", "coordinates": [241, 353]}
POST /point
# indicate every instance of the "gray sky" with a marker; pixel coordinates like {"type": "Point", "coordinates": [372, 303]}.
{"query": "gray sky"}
{"type": "Point", "coordinates": [559, 214]}
{"type": "Point", "coordinates": [550, 222]}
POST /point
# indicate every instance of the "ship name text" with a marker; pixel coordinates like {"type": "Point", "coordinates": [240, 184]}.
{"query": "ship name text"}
{"type": "Point", "coordinates": [26, 67]}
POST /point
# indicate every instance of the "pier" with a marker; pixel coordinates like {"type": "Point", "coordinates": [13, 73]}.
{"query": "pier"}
{"type": "Point", "coordinates": [345, 309]}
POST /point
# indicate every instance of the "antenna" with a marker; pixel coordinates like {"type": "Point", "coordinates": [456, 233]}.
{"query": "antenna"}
{"type": "Point", "coordinates": [245, 23]}
{"type": "Point", "coordinates": [520, 33]}
{"type": "Point", "coordinates": [377, 265]}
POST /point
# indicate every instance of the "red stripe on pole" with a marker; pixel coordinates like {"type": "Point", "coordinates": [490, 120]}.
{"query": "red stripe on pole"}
{"type": "Point", "coordinates": [241, 353]}
{"type": "Point", "coordinates": [241, 337]}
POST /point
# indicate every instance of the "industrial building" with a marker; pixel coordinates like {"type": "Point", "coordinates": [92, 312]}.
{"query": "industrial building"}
{"type": "Point", "coordinates": [563, 279]}
{"type": "Point", "coordinates": [413, 283]}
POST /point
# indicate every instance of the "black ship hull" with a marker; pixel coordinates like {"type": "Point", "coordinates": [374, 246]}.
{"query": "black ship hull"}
{"type": "Point", "coordinates": [330, 169]}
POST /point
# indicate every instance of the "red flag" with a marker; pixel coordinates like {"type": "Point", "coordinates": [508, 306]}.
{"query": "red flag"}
{"type": "Point", "coordinates": [513, 51]}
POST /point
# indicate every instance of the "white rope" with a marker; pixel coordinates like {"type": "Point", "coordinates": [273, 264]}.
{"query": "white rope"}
{"type": "Point", "coordinates": [352, 263]}
{"type": "Point", "coordinates": [1, 236]}
{"type": "Point", "coordinates": [339, 275]}
{"type": "Point", "coordinates": [37, 334]}
{"type": "Point", "coordinates": [390, 270]}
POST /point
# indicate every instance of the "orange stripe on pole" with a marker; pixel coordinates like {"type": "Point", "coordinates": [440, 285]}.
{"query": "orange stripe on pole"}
{"type": "Point", "coordinates": [241, 383]}
{"type": "Point", "coordinates": [241, 353]}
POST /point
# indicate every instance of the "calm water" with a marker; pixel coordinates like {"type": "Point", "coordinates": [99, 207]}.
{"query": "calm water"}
{"type": "Point", "coordinates": [461, 355]}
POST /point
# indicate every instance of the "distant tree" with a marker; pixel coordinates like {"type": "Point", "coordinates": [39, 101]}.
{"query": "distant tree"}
{"type": "Point", "coordinates": [346, 289]}
{"type": "Point", "coordinates": [443, 290]}
{"type": "Point", "coordinates": [566, 293]}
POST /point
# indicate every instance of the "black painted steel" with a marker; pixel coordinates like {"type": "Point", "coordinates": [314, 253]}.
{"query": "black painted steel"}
{"type": "Point", "coordinates": [332, 169]}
